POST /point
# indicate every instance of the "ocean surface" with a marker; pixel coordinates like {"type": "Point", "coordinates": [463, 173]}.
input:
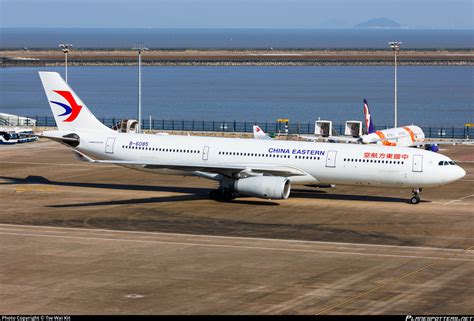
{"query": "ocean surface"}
{"type": "Point", "coordinates": [234, 38]}
{"type": "Point", "coordinates": [428, 95]}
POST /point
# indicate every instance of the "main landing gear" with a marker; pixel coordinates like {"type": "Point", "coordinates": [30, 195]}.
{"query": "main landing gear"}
{"type": "Point", "coordinates": [416, 196]}
{"type": "Point", "coordinates": [222, 195]}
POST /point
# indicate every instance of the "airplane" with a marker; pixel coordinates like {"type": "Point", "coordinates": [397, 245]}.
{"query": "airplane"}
{"type": "Point", "coordinates": [399, 136]}
{"type": "Point", "coordinates": [258, 133]}
{"type": "Point", "coordinates": [243, 167]}
{"type": "Point", "coordinates": [406, 136]}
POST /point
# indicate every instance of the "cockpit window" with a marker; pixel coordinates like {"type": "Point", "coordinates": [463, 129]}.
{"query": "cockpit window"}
{"type": "Point", "coordinates": [445, 163]}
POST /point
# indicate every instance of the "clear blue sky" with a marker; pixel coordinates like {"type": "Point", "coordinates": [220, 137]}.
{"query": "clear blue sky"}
{"type": "Point", "coordinates": [438, 14]}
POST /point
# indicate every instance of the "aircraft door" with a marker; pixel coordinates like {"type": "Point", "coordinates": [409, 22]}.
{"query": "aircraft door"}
{"type": "Point", "coordinates": [418, 163]}
{"type": "Point", "coordinates": [331, 158]}
{"type": "Point", "coordinates": [205, 153]}
{"type": "Point", "coordinates": [109, 145]}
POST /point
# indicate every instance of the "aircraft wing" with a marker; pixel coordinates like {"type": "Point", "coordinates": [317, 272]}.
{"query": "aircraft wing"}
{"type": "Point", "coordinates": [225, 169]}
{"type": "Point", "coordinates": [344, 139]}
{"type": "Point", "coordinates": [337, 139]}
{"type": "Point", "coordinates": [308, 137]}
{"type": "Point", "coordinates": [451, 142]}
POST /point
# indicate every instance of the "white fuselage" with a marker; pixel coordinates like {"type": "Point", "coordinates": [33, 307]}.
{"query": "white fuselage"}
{"type": "Point", "coordinates": [401, 136]}
{"type": "Point", "coordinates": [323, 163]}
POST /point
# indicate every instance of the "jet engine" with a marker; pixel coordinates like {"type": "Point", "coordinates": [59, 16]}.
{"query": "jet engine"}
{"type": "Point", "coordinates": [432, 147]}
{"type": "Point", "coordinates": [269, 187]}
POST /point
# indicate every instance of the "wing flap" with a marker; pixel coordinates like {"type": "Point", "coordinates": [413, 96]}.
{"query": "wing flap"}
{"type": "Point", "coordinates": [247, 169]}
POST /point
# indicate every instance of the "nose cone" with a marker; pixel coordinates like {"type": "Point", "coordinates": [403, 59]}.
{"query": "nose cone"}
{"type": "Point", "coordinates": [460, 172]}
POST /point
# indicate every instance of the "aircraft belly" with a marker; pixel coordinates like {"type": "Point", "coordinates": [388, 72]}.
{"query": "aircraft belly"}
{"type": "Point", "coordinates": [358, 176]}
{"type": "Point", "coordinates": [164, 171]}
{"type": "Point", "coordinates": [391, 177]}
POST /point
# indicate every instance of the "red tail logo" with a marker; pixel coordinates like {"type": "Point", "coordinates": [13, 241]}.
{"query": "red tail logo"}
{"type": "Point", "coordinates": [73, 109]}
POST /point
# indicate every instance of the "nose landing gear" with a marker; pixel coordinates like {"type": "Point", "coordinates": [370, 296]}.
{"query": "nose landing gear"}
{"type": "Point", "coordinates": [416, 196]}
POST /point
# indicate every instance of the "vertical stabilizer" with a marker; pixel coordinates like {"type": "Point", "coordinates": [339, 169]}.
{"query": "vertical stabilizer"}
{"type": "Point", "coordinates": [369, 125]}
{"type": "Point", "coordinates": [258, 133]}
{"type": "Point", "coordinates": [69, 112]}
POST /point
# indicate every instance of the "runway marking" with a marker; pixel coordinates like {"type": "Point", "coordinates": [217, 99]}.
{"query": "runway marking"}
{"type": "Point", "coordinates": [33, 187]}
{"type": "Point", "coordinates": [308, 242]}
{"type": "Point", "coordinates": [273, 54]}
{"type": "Point", "coordinates": [49, 164]}
{"type": "Point", "coordinates": [458, 200]}
{"type": "Point", "coordinates": [248, 247]}
{"type": "Point", "coordinates": [404, 276]}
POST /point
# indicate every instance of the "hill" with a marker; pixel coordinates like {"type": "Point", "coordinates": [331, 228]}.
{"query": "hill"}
{"type": "Point", "coordinates": [378, 23]}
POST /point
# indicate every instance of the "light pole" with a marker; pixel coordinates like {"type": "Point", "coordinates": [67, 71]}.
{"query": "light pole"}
{"type": "Point", "coordinates": [395, 45]}
{"type": "Point", "coordinates": [139, 48]}
{"type": "Point", "coordinates": [65, 48]}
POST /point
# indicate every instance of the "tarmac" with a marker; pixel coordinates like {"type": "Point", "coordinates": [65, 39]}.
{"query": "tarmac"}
{"type": "Point", "coordinates": [79, 238]}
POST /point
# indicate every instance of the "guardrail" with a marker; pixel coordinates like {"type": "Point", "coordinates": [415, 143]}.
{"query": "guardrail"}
{"type": "Point", "coordinates": [245, 126]}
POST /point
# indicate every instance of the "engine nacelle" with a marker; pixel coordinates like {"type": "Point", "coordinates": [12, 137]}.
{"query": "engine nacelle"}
{"type": "Point", "coordinates": [269, 187]}
{"type": "Point", "coordinates": [432, 147]}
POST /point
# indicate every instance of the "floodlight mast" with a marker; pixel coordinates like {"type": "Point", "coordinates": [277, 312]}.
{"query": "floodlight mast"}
{"type": "Point", "coordinates": [395, 46]}
{"type": "Point", "coordinates": [65, 48]}
{"type": "Point", "coordinates": [139, 48]}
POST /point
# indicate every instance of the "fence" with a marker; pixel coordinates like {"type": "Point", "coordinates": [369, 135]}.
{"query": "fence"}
{"type": "Point", "coordinates": [246, 127]}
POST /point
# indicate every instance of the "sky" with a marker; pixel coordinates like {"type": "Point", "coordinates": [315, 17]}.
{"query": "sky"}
{"type": "Point", "coordinates": [425, 14]}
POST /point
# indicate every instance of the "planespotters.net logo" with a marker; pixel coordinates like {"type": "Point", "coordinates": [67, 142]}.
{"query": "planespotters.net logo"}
{"type": "Point", "coordinates": [439, 318]}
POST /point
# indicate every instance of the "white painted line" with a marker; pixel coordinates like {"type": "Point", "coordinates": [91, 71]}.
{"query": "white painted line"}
{"type": "Point", "coordinates": [48, 164]}
{"type": "Point", "coordinates": [247, 247]}
{"type": "Point", "coordinates": [309, 242]}
{"type": "Point", "coordinates": [273, 54]}
{"type": "Point", "coordinates": [458, 200]}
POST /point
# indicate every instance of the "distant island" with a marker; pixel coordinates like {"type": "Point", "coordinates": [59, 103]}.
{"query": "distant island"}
{"type": "Point", "coordinates": [378, 23]}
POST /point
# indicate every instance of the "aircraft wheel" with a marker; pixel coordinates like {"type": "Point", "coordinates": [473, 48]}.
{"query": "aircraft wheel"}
{"type": "Point", "coordinates": [214, 194]}
{"type": "Point", "coordinates": [415, 200]}
{"type": "Point", "coordinates": [221, 195]}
